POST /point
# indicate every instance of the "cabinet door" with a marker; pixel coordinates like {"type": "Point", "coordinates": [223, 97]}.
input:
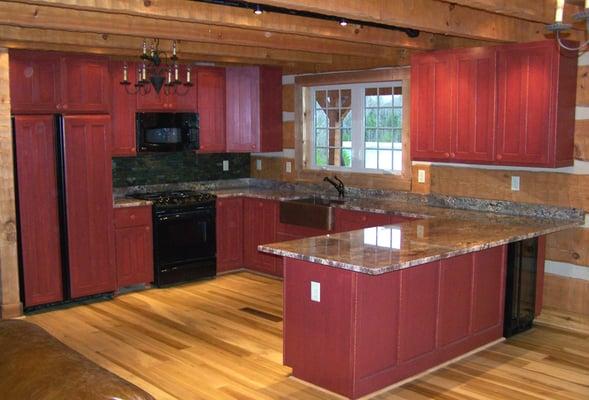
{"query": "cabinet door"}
{"type": "Point", "coordinates": [270, 109]}
{"type": "Point", "coordinates": [211, 109]}
{"type": "Point", "coordinates": [88, 174]}
{"type": "Point", "coordinates": [38, 205]}
{"type": "Point", "coordinates": [475, 88]}
{"type": "Point", "coordinates": [260, 220]}
{"type": "Point", "coordinates": [134, 255]}
{"type": "Point", "coordinates": [153, 101]}
{"type": "Point", "coordinates": [431, 106]}
{"type": "Point", "coordinates": [124, 105]}
{"type": "Point", "coordinates": [229, 234]}
{"type": "Point", "coordinates": [524, 93]}
{"type": "Point", "coordinates": [186, 97]}
{"type": "Point", "coordinates": [243, 109]}
{"type": "Point", "coordinates": [34, 82]}
{"type": "Point", "coordinates": [85, 84]}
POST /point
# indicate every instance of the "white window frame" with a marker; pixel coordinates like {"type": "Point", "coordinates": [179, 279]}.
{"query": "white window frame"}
{"type": "Point", "coordinates": [358, 126]}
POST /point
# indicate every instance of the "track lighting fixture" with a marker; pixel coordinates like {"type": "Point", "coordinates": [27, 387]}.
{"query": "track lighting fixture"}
{"type": "Point", "coordinates": [258, 10]}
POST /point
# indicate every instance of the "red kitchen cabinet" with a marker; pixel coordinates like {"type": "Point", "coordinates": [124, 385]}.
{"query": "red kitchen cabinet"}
{"type": "Point", "coordinates": [254, 109]}
{"type": "Point", "coordinates": [124, 106]}
{"type": "Point", "coordinates": [85, 84]}
{"type": "Point", "coordinates": [133, 245]}
{"type": "Point", "coordinates": [229, 234]}
{"type": "Point", "coordinates": [184, 100]}
{"type": "Point", "coordinates": [35, 140]}
{"type": "Point", "coordinates": [348, 220]}
{"type": "Point", "coordinates": [431, 106]}
{"type": "Point", "coordinates": [211, 109]}
{"type": "Point", "coordinates": [154, 101]}
{"type": "Point", "coordinates": [535, 105]}
{"type": "Point", "coordinates": [186, 97]}
{"type": "Point", "coordinates": [34, 82]}
{"type": "Point", "coordinates": [260, 218]}
{"type": "Point", "coordinates": [90, 229]}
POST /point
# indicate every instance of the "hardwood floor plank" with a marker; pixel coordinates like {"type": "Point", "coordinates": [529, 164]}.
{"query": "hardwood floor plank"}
{"type": "Point", "coordinates": [195, 341]}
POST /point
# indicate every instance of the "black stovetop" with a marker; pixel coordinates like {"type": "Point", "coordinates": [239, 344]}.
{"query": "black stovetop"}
{"type": "Point", "coordinates": [176, 197]}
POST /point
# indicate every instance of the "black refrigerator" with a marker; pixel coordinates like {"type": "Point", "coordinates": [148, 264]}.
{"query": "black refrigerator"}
{"type": "Point", "coordinates": [64, 204]}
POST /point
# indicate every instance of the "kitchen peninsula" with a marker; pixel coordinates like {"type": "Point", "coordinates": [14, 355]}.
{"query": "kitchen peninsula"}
{"type": "Point", "coordinates": [368, 308]}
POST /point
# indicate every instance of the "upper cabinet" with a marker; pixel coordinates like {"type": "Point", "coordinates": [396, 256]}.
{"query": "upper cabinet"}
{"type": "Point", "coordinates": [254, 109]}
{"type": "Point", "coordinates": [48, 82]}
{"type": "Point", "coordinates": [211, 109]}
{"type": "Point", "coordinates": [183, 99]}
{"type": "Point", "coordinates": [124, 106]}
{"type": "Point", "coordinates": [34, 82]}
{"type": "Point", "coordinates": [504, 105]}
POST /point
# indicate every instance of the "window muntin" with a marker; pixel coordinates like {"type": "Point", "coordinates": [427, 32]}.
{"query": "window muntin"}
{"type": "Point", "coordinates": [358, 127]}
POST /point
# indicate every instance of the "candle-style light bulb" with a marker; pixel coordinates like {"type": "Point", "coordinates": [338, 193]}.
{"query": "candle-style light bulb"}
{"type": "Point", "coordinates": [559, 11]}
{"type": "Point", "coordinates": [174, 48]}
{"type": "Point", "coordinates": [143, 72]}
{"type": "Point", "coordinates": [125, 72]}
{"type": "Point", "coordinates": [169, 76]}
{"type": "Point", "coordinates": [189, 71]}
{"type": "Point", "coordinates": [175, 72]}
{"type": "Point", "coordinates": [138, 75]}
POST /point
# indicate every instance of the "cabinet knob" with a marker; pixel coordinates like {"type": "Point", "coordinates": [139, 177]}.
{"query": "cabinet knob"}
{"type": "Point", "coordinates": [499, 157]}
{"type": "Point", "coordinates": [452, 155]}
{"type": "Point", "coordinates": [253, 146]}
{"type": "Point", "coordinates": [59, 106]}
{"type": "Point", "coordinates": [133, 216]}
{"type": "Point", "coordinates": [447, 155]}
{"type": "Point", "coordinates": [65, 106]}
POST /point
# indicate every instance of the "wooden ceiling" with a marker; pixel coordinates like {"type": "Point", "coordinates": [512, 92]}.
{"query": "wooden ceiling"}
{"type": "Point", "coordinates": [221, 34]}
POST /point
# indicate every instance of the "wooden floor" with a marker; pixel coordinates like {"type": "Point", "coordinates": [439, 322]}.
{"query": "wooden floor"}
{"type": "Point", "coordinates": [222, 339]}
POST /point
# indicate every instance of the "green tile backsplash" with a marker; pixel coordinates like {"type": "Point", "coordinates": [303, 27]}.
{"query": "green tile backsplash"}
{"type": "Point", "coordinates": [153, 169]}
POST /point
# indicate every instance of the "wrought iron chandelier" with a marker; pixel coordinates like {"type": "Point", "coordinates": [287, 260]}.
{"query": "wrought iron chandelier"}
{"type": "Point", "coordinates": [157, 70]}
{"type": "Point", "coordinates": [558, 27]}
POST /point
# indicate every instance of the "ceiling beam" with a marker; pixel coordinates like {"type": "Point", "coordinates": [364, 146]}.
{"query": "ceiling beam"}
{"type": "Point", "coordinates": [66, 19]}
{"type": "Point", "coordinates": [427, 15]}
{"type": "Point", "coordinates": [190, 11]}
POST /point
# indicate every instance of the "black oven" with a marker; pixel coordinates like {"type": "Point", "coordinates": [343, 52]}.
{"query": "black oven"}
{"type": "Point", "coordinates": [163, 132]}
{"type": "Point", "coordinates": [184, 243]}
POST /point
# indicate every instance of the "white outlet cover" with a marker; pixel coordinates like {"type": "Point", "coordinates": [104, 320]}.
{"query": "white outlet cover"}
{"type": "Point", "coordinates": [288, 167]}
{"type": "Point", "coordinates": [420, 231]}
{"type": "Point", "coordinates": [515, 183]}
{"type": "Point", "coordinates": [259, 164]}
{"type": "Point", "coordinates": [421, 176]}
{"type": "Point", "coordinates": [315, 291]}
{"type": "Point", "coordinates": [225, 165]}
{"type": "Point", "coordinates": [586, 221]}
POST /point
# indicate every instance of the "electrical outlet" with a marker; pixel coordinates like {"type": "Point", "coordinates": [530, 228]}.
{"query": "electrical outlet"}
{"type": "Point", "coordinates": [315, 291]}
{"type": "Point", "coordinates": [421, 176]}
{"type": "Point", "coordinates": [225, 165]}
{"type": "Point", "coordinates": [586, 225]}
{"type": "Point", "coordinates": [420, 231]}
{"type": "Point", "coordinates": [258, 164]}
{"type": "Point", "coordinates": [515, 183]}
{"type": "Point", "coordinates": [288, 167]}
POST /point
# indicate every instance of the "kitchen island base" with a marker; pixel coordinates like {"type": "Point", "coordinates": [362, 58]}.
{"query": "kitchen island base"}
{"type": "Point", "coordinates": [368, 332]}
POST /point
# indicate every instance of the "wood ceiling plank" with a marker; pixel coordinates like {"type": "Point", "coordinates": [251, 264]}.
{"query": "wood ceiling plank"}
{"type": "Point", "coordinates": [48, 17]}
{"type": "Point", "coordinates": [182, 10]}
{"type": "Point", "coordinates": [428, 15]}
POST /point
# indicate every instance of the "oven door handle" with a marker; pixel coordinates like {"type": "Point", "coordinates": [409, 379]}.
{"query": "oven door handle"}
{"type": "Point", "coordinates": [184, 215]}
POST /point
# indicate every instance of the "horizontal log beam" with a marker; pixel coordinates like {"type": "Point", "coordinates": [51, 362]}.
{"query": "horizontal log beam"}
{"type": "Point", "coordinates": [428, 15]}
{"type": "Point", "coordinates": [46, 17]}
{"type": "Point", "coordinates": [189, 11]}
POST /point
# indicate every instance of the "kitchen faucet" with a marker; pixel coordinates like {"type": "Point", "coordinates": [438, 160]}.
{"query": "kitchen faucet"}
{"type": "Point", "coordinates": [339, 185]}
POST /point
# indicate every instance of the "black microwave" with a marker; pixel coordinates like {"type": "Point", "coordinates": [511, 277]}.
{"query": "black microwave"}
{"type": "Point", "coordinates": [164, 132]}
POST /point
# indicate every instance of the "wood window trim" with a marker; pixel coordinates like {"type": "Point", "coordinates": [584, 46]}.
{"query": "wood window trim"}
{"type": "Point", "coordinates": [303, 142]}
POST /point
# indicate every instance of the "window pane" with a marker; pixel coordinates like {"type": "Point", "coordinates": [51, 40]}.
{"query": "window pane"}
{"type": "Point", "coordinates": [346, 137]}
{"type": "Point", "coordinates": [346, 98]}
{"type": "Point", "coordinates": [321, 137]}
{"type": "Point", "coordinates": [385, 138]}
{"type": "Point", "coordinates": [397, 160]}
{"type": "Point", "coordinates": [371, 95]}
{"type": "Point", "coordinates": [397, 137]}
{"type": "Point", "coordinates": [398, 100]}
{"type": "Point", "coordinates": [385, 117]}
{"type": "Point", "coordinates": [398, 118]}
{"type": "Point", "coordinates": [320, 157]}
{"type": "Point", "coordinates": [346, 118]}
{"type": "Point", "coordinates": [385, 159]}
{"type": "Point", "coordinates": [371, 159]}
{"type": "Point", "coordinates": [333, 98]}
{"type": "Point", "coordinates": [371, 139]}
{"type": "Point", "coordinates": [371, 116]}
{"type": "Point", "coordinates": [346, 160]}
{"type": "Point", "coordinates": [320, 99]}
{"type": "Point", "coordinates": [385, 98]}
{"type": "Point", "coordinates": [333, 116]}
{"type": "Point", "coordinates": [320, 119]}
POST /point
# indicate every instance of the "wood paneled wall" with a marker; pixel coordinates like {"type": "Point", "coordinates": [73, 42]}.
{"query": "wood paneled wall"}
{"type": "Point", "coordinates": [10, 305]}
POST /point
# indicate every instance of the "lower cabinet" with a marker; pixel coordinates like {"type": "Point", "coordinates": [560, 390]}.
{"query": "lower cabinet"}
{"type": "Point", "coordinates": [260, 218]}
{"type": "Point", "coordinates": [348, 220]}
{"type": "Point", "coordinates": [229, 234]}
{"type": "Point", "coordinates": [133, 245]}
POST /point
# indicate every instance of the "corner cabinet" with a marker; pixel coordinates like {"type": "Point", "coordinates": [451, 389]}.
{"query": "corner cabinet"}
{"type": "Point", "coordinates": [260, 219]}
{"type": "Point", "coordinates": [229, 234]}
{"type": "Point", "coordinates": [254, 109]}
{"type": "Point", "coordinates": [501, 105]}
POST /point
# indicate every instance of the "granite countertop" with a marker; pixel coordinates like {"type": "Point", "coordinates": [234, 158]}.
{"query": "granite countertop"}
{"type": "Point", "coordinates": [437, 232]}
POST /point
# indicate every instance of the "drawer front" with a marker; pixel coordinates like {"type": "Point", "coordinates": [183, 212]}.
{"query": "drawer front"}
{"type": "Point", "coordinates": [133, 216]}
